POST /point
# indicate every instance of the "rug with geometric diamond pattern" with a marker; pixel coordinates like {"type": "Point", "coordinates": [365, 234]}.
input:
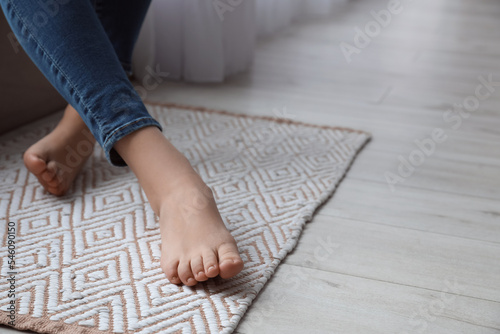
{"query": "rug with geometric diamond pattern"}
{"type": "Point", "coordinates": [88, 262]}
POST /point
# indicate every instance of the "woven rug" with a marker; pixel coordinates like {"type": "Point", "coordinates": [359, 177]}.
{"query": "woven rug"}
{"type": "Point", "coordinates": [88, 262]}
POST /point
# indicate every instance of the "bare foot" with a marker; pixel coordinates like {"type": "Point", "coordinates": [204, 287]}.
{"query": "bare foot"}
{"type": "Point", "coordinates": [57, 158]}
{"type": "Point", "coordinates": [195, 242]}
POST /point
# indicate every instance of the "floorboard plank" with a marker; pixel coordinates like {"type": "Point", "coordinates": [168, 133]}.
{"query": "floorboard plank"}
{"type": "Point", "coordinates": [302, 300]}
{"type": "Point", "coordinates": [399, 255]}
{"type": "Point", "coordinates": [413, 208]}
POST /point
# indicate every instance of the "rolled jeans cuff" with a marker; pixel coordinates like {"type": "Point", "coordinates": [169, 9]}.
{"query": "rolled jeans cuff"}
{"type": "Point", "coordinates": [111, 154]}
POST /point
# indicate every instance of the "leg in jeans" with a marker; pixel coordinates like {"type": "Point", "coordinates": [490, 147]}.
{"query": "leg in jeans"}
{"type": "Point", "coordinates": [70, 46]}
{"type": "Point", "coordinates": [122, 21]}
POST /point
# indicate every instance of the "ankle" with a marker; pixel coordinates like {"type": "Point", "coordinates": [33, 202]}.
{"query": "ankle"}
{"type": "Point", "coordinates": [71, 132]}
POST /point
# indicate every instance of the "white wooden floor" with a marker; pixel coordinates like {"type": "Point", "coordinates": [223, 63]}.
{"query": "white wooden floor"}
{"type": "Point", "coordinates": [424, 258]}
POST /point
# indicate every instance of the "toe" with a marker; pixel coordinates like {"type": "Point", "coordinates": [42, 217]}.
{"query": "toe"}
{"type": "Point", "coordinates": [230, 263]}
{"type": "Point", "coordinates": [53, 183]}
{"type": "Point", "coordinates": [34, 163]}
{"type": "Point", "coordinates": [185, 273]}
{"type": "Point", "coordinates": [54, 187]}
{"type": "Point", "coordinates": [53, 170]}
{"type": "Point", "coordinates": [57, 191]}
{"type": "Point", "coordinates": [210, 264]}
{"type": "Point", "coordinates": [48, 175]}
{"type": "Point", "coordinates": [58, 185]}
{"type": "Point", "coordinates": [170, 271]}
{"type": "Point", "coordinates": [197, 269]}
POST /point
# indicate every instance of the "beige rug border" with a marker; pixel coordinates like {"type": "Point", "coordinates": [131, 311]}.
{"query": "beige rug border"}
{"type": "Point", "coordinates": [25, 322]}
{"type": "Point", "coordinates": [262, 117]}
{"type": "Point", "coordinates": [44, 325]}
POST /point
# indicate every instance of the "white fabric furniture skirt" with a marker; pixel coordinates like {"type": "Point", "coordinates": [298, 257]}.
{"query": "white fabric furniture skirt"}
{"type": "Point", "coordinates": [208, 40]}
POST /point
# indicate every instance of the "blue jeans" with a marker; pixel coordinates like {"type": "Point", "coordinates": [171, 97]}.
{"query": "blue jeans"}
{"type": "Point", "coordinates": [84, 48]}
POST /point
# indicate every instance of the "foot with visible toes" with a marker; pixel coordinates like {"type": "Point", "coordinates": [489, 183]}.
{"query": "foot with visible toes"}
{"type": "Point", "coordinates": [196, 245]}
{"type": "Point", "coordinates": [57, 158]}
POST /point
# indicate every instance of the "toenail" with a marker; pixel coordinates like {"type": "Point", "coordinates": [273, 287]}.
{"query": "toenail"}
{"type": "Point", "coordinates": [190, 280]}
{"type": "Point", "coordinates": [211, 267]}
{"type": "Point", "coordinates": [174, 278]}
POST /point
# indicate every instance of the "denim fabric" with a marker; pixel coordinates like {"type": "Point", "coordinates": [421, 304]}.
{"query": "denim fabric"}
{"type": "Point", "coordinates": [81, 46]}
{"type": "Point", "coordinates": [122, 21]}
